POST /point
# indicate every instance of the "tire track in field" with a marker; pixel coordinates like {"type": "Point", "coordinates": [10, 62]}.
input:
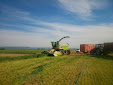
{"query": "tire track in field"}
{"type": "Point", "coordinates": [79, 76]}
{"type": "Point", "coordinates": [38, 69]}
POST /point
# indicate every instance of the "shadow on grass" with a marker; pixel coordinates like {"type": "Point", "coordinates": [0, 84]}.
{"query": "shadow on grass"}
{"type": "Point", "coordinates": [37, 70]}
{"type": "Point", "coordinates": [108, 57]}
{"type": "Point", "coordinates": [2, 59]}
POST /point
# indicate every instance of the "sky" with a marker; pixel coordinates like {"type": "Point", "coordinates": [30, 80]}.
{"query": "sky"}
{"type": "Point", "coordinates": [35, 23]}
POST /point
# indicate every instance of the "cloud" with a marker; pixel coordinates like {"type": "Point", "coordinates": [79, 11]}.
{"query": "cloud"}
{"type": "Point", "coordinates": [19, 38]}
{"type": "Point", "coordinates": [82, 8]}
{"type": "Point", "coordinates": [91, 34]}
{"type": "Point", "coordinates": [13, 11]}
{"type": "Point", "coordinates": [91, 31]}
{"type": "Point", "coordinates": [38, 33]}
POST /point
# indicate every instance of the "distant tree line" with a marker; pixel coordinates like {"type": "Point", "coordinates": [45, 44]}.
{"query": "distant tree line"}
{"type": "Point", "coordinates": [2, 48]}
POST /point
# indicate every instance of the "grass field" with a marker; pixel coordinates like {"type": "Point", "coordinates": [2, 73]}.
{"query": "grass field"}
{"type": "Point", "coordinates": [61, 70]}
{"type": "Point", "coordinates": [22, 51]}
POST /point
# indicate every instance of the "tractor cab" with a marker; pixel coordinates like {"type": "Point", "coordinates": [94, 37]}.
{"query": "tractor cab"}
{"type": "Point", "coordinates": [100, 46]}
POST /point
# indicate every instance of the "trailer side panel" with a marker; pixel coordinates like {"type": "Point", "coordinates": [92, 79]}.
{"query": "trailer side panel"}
{"type": "Point", "coordinates": [108, 46]}
{"type": "Point", "coordinates": [87, 47]}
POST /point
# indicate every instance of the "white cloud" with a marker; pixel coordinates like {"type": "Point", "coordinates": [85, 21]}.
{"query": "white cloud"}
{"type": "Point", "coordinates": [19, 38]}
{"type": "Point", "coordinates": [90, 34]}
{"type": "Point", "coordinates": [13, 11]}
{"type": "Point", "coordinates": [82, 8]}
{"type": "Point", "coordinates": [42, 33]}
{"type": "Point", "coordinates": [87, 34]}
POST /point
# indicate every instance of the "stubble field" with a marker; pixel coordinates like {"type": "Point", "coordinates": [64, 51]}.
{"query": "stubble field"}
{"type": "Point", "coordinates": [62, 70]}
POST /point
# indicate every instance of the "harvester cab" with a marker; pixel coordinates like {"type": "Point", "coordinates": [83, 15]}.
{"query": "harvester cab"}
{"type": "Point", "coordinates": [56, 44]}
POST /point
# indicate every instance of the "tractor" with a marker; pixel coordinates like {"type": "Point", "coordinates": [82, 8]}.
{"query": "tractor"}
{"type": "Point", "coordinates": [58, 49]}
{"type": "Point", "coordinates": [98, 50]}
{"type": "Point", "coordinates": [104, 49]}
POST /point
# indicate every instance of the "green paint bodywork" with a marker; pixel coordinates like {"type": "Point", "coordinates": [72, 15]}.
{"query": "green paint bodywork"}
{"type": "Point", "coordinates": [55, 45]}
{"type": "Point", "coordinates": [58, 54]}
{"type": "Point", "coordinates": [65, 47]}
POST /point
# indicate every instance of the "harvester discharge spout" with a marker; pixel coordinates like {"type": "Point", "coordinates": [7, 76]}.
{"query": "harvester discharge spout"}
{"type": "Point", "coordinates": [64, 37]}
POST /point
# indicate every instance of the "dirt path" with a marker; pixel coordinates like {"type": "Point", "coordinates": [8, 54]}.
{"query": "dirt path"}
{"type": "Point", "coordinates": [111, 54]}
{"type": "Point", "coordinates": [12, 55]}
{"type": "Point", "coordinates": [73, 52]}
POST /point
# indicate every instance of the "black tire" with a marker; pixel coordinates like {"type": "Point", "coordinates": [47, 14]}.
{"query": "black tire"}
{"type": "Point", "coordinates": [98, 52]}
{"type": "Point", "coordinates": [65, 51]}
{"type": "Point", "coordinates": [105, 53]}
{"type": "Point", "coordinates": [92, 52]}
{"type": "Point", "coordinates": [68, 52]}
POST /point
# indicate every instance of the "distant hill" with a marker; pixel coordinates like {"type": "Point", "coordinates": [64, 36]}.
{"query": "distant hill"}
{"type": "Point", "coordinates": [29, 48]}
{"type": "Point", "coordinates": [25, 48]}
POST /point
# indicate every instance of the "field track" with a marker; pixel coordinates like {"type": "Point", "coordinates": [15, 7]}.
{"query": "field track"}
{"type": "Point", "coordinates": [12, 55]}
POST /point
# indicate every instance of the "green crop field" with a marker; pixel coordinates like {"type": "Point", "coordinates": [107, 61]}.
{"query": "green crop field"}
{"type": "Point", "coordinates": [62, 70]}
{"type": "Point", "coordinates": [22, 51]}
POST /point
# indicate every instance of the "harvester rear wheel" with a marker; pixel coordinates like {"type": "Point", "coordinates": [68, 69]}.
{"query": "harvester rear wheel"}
{"type": "Point", "coordinates": [67, 52]}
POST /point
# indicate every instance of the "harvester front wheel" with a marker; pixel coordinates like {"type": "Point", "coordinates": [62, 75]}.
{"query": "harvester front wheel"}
{"type": "Point", "coordinates": [61, 52]}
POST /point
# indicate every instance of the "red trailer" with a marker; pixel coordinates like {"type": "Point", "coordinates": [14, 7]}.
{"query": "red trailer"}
{"type": "Point", "coordinates": [85, 48]}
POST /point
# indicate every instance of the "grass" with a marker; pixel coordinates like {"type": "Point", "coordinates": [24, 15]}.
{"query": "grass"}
{"type": "Point", "coordinates": [61, 70]}
{"type": "Point", "coordinates": [5, 59]}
